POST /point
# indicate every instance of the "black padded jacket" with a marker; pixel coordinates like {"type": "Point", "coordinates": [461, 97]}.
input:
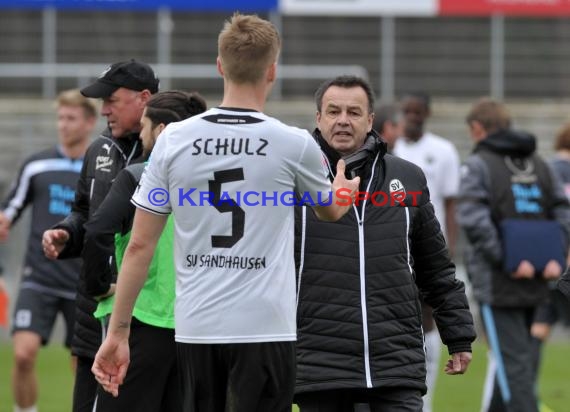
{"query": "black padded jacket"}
{"type": "Point", "coordinates": [104, 159]}
{"type": "Point", "coordinates": [359, 316]}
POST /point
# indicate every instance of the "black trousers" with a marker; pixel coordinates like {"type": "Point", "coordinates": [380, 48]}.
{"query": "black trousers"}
{"type": "Point", "coordinates": [85, 387]}
{"type": "Point", "coordinates": [514, 351]}
{"type": "Point", "coordinates": [242, 377]}
{"type": "Point", "coordinates": [377, 400]}
{"type": "Point", "coordinates": [151, 384]}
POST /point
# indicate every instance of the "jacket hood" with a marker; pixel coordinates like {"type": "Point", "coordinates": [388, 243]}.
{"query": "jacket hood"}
{"type": "Point", "coordinates": [509, 142]}
{"type": "Point", "coordinates": [356, 161]}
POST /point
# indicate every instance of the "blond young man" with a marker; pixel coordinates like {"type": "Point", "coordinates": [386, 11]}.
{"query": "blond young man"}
{"type": "Point", "coordinates": [235, 299]}
{"type": "Point", "coordinates": [46, 181]}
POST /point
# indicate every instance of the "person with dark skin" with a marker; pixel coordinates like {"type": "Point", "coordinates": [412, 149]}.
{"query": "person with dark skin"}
{"type": "Point", "coordinates": [439, 160]}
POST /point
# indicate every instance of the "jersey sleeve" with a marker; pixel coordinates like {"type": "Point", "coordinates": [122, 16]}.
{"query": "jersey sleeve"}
{"type": "Point", "coordinates": [20, 194]}
{"type": "Point", "coordinates": [312, 172]}
{"type": "Point", "coordinates": [153, 192]}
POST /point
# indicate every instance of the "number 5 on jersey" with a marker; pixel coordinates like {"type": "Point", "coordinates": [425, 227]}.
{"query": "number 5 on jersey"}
{"type": "Point", "coordinates": [227, 206]}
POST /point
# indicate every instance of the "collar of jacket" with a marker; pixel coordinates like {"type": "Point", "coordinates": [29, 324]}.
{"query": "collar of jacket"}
{"type": "Point", "coordinates": [355, 162]}
{"type": "Point", "coordinates": [129, 145]}
{"type": "Point", "coordinates": [130, 137]}
{"type": "Point", "coordinates": [508, 142]}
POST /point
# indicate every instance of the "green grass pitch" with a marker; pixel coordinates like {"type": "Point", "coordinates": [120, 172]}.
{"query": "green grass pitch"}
{"type": "Point", "coordinates": [453, 393]}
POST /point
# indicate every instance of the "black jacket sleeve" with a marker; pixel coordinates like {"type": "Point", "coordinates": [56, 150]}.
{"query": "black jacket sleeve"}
{"type": "Point", "coordinates": [564, 283]}
{"type": "Point", "coordinates": [74, 222]}
{"type": "Point", "coordinates": [114, 215]}
{"type": "Point", "coordinates": [435, 278]}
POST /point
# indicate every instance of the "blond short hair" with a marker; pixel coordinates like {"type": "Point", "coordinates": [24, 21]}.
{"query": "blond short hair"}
{"type": "Point", "coordinates": [247, 46]}
{"type": "Point", "coordinates": [74, 98]}
{"type": "Point", "coordinates": [491, 114]}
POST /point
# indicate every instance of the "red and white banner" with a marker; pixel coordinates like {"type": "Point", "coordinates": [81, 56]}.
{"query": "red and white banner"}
{"type": "Point", "coordinates": [426, 8]}
{"type": "Point", "coordinates": [531, 8]}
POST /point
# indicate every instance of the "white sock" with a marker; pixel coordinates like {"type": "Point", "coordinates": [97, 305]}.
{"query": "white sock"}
{"type": "Point", "coordinates": [33, 408]}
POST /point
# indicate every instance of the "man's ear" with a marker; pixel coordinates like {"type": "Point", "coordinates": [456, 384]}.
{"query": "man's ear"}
{"type": "Point", "coordinates": [145, 96]}
{"type": "Point", "coordinates": [160, 127]}
{"type": "Point", "coordinates": [272, 72]}
{"type": "Point", "coordinates": [477, 130]}
{"type": "Point", "coordinates": [219, 66]}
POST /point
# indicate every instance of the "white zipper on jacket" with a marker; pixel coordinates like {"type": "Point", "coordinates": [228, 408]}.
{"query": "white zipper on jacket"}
{"type": "Point", "coordinates": [133, 151]}
{"type": "Point", "coordinates": [91, 187]}
{"type": "Point", "coordinates": [408, 239]}
{"type": "Point", "coordinates": [362, 262]}
{"type": "Point", "coordinates": [362, 270]}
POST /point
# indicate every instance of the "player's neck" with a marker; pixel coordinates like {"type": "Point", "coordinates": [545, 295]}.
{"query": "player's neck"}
{"type": "Point", "coordinates": [563, 154]}
{"type": "Point", "coordinates": [75, 150]}
{"type": "Point", "coordinates": [244, 96]}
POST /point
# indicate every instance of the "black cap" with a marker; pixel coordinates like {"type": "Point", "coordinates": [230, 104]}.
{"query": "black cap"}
{"type": "Point", "coordinates": [132, 74]}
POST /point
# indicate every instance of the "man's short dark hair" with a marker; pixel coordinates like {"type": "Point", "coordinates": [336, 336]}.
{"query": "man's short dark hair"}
{"type": "Point", "coordinates": [491, 114]}
{"type": "Point", "coordinates": [421, 96]}
{"type": "Point", "coordinates": [174, 106]}
{"type": "Point", "coordinates": [386, 113]}
{"type": "Point", "coordinates": [346, 82]}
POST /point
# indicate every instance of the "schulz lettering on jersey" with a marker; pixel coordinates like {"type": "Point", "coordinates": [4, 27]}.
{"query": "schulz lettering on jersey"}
{"type": "Point", "coordinates": [224, 146]}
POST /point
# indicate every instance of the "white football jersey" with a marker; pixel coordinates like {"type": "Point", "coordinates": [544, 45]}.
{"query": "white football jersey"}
{"type": "Point", "coordinates": [229, 177]}
{"type": "Point", "coordinates": [439, 160]}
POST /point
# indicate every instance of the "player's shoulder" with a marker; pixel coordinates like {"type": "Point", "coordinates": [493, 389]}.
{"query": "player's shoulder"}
{"type": "Point", "coordinates": [394, 162]}
{"type": "Point", "coordinates": [46, 154]}
{"type": "Point", "coordinates": [181, 128]}
{"type": "Point", "coordinates": [101, 142]}
{"type": "Point", "coordinates": [287, 128]}
{"type": "Point", "coordinates": [134, 170]}
{"type": "Point", "coordinates": [41, 158]}
{"type": "Point", "coordinates": [438, 142]}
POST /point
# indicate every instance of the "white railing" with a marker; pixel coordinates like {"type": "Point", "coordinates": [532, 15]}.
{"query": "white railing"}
{"type": "Point", "coordinates": [86, 72]}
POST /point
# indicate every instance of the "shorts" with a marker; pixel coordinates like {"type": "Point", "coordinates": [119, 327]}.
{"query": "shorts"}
{"type": "Point", "coordinates": [37, 311]}
{"type": "Point", "coordinates": [240, 377]}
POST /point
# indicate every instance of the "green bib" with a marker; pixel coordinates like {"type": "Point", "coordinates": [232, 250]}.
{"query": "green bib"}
{"type": "Point", "coordinates": [155, 303]}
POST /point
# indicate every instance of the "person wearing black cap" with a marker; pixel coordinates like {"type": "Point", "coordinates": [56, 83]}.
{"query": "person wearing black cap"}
{"type": "Point", "coordinates": [125, 88]}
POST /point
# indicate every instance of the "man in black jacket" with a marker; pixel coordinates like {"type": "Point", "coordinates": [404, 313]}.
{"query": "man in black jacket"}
{"type": "Point", "coordinates": [125, 87]}
{"type": "Point", "coordinates": [505, 184]}
{"type": "Point", "coordinates": [359, 318]}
